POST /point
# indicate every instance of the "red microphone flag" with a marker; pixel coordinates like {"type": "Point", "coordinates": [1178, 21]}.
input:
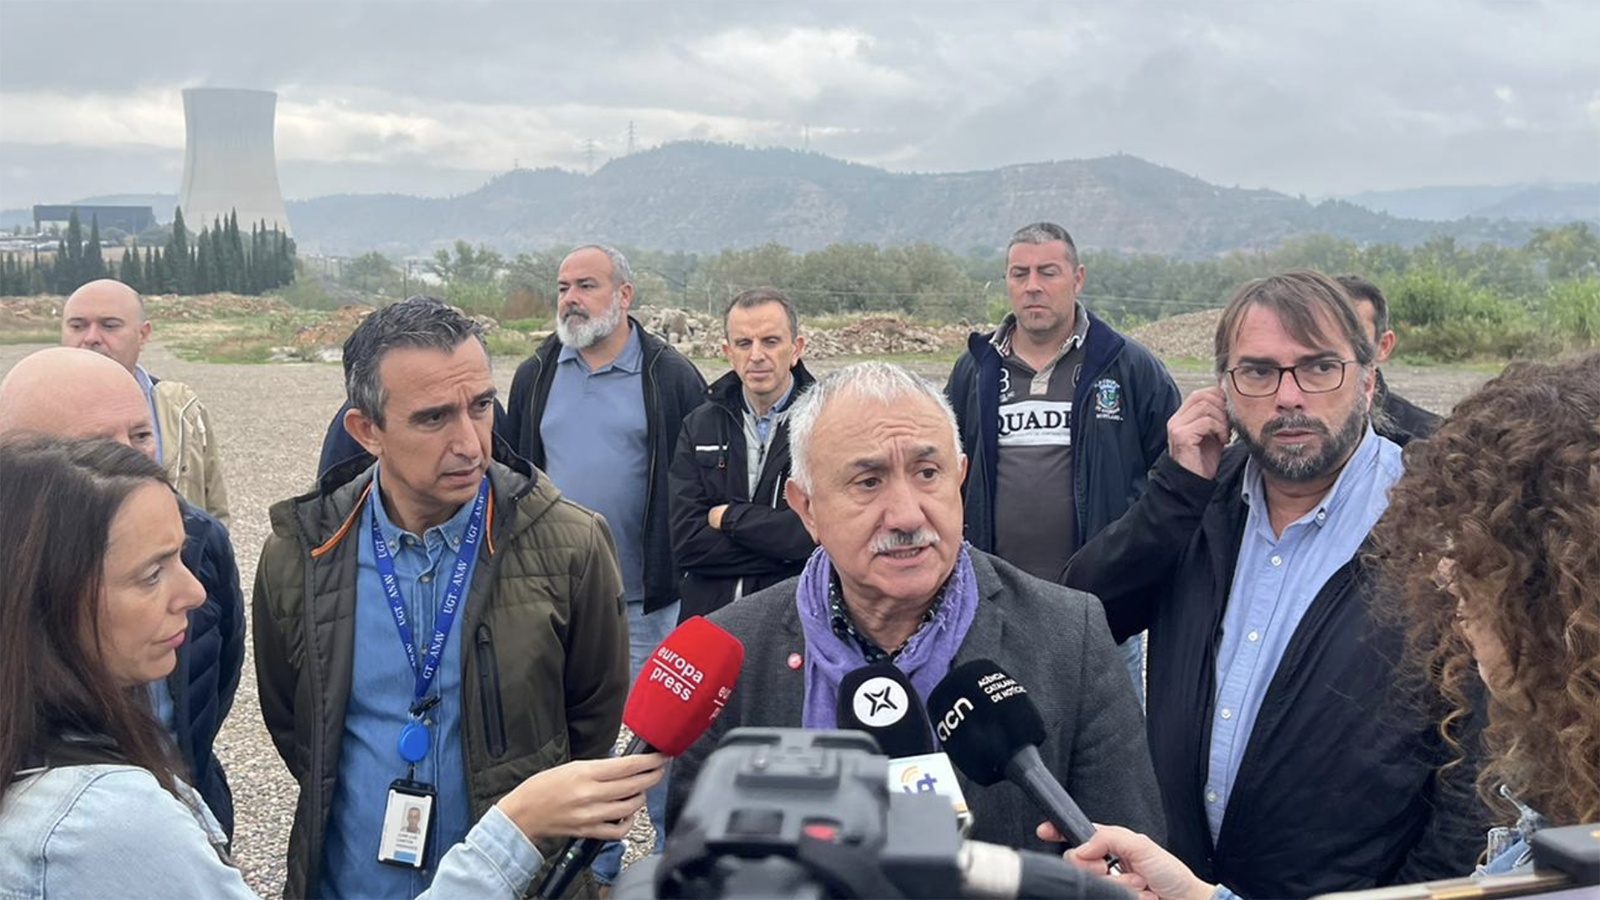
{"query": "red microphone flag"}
{"type": "Point", "coordinates": [683, 686]}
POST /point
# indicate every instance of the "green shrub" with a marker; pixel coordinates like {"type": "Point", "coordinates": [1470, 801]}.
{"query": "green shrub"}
{"type": "Point", "coordinates": [1573, 308]}
{"type": "Point", "coordinates": [476, 298]}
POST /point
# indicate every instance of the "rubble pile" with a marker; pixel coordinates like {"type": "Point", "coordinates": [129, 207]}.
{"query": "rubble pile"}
{"type": "Point", "coordinates": [1189, 335]}
{"type": "Point", "coordinates": [699, 336]}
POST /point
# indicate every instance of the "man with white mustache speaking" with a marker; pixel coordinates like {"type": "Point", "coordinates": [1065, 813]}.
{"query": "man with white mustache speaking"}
{"type": "Point", "coordinates": [876, 478]}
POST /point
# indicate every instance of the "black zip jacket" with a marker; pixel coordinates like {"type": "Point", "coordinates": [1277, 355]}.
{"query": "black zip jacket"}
{"type": "Point", "coordinates": [1402, 421]}
{"type": "Point", "coordinates": [1337, 789]}
{"type": "Point", "coordinates": [1120, 409]}
{"type": "Point", "coordinates": [672, 388]}
{"type": "Point", "coordinates": [761, 541]}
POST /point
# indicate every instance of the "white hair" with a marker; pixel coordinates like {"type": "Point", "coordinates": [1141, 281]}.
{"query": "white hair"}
{"type": "Point", "coordinates": [883, 382]}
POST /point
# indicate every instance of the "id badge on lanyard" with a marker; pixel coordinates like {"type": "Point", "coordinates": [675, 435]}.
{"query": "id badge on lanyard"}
{"type": "Point", "coordinates": [410, 805]}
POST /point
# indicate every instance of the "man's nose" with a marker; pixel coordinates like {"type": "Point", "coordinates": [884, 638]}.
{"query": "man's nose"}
{"type": "Point", "coordinates": [1290, 396]}
{"type": "Point", "coordinates": [902, 509]}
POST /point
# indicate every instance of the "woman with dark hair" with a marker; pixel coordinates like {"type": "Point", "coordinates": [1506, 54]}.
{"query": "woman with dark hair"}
{"type": "Point", "coordinates": [95, 602]}
{"type": "Point", "coordinates": [1490, 550]}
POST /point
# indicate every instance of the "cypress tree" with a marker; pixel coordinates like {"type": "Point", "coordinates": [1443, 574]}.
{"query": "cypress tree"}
{"type": "Point", "coordinates": [180, 264]}
{"type": "Point", "coordinates": [94, 264]}
{"type": "Point", "coordinates": [129, 273]}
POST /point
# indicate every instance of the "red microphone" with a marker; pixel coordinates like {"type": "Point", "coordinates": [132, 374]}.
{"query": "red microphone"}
{"type": "Point", "coordinates": [680, 691]}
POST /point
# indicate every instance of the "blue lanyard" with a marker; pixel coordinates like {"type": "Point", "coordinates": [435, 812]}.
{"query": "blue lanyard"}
{"type": "Point", "coordinates": [446, 617]}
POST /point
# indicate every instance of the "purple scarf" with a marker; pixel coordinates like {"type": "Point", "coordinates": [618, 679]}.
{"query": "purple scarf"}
{"type": "Point", "coordinates": [925, 659]}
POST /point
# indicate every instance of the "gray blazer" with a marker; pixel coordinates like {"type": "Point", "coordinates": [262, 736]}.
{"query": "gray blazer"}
{"type": "Point", "coordinates": [1052, 639]}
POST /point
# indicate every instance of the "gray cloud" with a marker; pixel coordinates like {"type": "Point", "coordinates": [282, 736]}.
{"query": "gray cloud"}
{"type": "Point", "coordinates": [1304, 97]}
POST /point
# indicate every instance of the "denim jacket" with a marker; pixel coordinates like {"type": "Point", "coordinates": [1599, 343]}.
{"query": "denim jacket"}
{"type": "Point", "coordinates": [111, 831]}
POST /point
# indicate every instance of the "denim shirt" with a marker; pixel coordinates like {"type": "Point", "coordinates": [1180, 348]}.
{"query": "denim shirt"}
{"type": "Point", "coordinates": [381, 689]}
{"type": "Point", "coordinates": [111, 831]}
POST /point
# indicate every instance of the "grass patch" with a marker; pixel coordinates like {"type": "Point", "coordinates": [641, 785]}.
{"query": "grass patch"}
{"type": "Point", "coordinates": [1190, 363]}
{"type": "Point", "coordinates": [527, 325]}
{"type": "Point", "coordinates": [307, 293]}
{"type": "Point", "coordinates": [501, 343]}
{"type": "Point", "coordinates": [248, 340]}
{"type": "Point", "coordinates": [30, 337]}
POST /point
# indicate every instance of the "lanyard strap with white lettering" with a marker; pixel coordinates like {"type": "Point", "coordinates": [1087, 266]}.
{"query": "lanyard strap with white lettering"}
{"type": "Point", "coordinates": [414, 738]}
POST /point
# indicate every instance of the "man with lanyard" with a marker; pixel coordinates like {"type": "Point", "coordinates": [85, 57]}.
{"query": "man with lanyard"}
{"type": "Point", "coordinates": [733, 532]}
{"type": "Point", "coordinates": [452, 541]}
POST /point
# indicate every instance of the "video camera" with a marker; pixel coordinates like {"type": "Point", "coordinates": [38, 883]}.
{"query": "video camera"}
{"type": "Point", "coordinates": [785, 812]}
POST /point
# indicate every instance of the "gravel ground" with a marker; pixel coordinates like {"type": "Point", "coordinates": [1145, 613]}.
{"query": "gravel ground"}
{"type": "Point", "coordinates": [272, 418]}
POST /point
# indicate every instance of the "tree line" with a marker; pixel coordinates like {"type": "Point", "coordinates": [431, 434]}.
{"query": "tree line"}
{"type": "Point", "coordinates": [1449, 301]}
{"type": "Point", "coordinates": [219, 258]}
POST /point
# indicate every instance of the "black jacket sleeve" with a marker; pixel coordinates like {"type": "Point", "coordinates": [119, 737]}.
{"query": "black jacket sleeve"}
{"type": "Point", "coordinates": [223, 586]}
{"type": "Point", "coordinates": [1129, 565]}
{"type": "Point", "coordinates": [697, 546]}
{"type": "Point", "coordinates": [773, 533]}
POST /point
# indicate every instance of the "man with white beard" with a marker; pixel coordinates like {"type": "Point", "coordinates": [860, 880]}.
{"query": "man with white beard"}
{"type": "Point", "coordinates": [598, 408]}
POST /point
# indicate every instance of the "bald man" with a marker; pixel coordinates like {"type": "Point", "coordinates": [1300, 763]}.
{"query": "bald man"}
{"type": "Point", "coordinates": [107, 316]}
{"type": "Point", "coordinates": [78, 394]}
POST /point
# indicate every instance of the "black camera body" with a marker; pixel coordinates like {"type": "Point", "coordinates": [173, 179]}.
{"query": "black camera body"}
{"type": "Point", "coordinates": [785, 812]}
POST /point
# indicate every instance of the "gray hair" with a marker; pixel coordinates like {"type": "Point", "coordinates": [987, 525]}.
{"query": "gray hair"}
{"type": "Point", "coordinates": [880, 381]}
{"type": "Point", "coordinates": [1044, 233]}
{"type": "Point", "coordinates": [621, 273]}
{"type": "Point", "coordinates": [758, 297]}
{"type": "Point", "coordinates": [419, 321]}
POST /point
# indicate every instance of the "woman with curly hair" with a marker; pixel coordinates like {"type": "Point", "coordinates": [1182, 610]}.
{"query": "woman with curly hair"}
{"type": "Point", "coordinates": [1490, 549]}
{"type": "Point", "coordinates": [1492, 545]}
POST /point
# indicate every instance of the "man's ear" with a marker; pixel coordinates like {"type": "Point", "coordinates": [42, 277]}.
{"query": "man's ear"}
{"type": "Point", "coordinates": [1385, 347]}
{"type": "Point", "coordinates": [144, 333]}
{"type": "Point", "coordinates": [799, 347]}
{"type": "Point", "coordinates": [366, 432]}
{"type": "Point", "coordinates": [625, 294]}
{"type": "Point", "coordinates": [800, 502]}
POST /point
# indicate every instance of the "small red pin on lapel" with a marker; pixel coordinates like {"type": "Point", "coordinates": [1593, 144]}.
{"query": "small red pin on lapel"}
{"type": "Point", "coordinates": [795, 660]}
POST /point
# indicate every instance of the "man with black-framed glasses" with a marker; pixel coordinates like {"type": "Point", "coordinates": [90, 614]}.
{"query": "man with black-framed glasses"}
{"type": "Point", "coordinates": [1289, 766]}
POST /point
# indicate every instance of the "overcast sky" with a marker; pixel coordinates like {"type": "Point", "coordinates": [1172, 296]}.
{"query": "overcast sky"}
{"type": "Point", "coordinates": [1306, 97]}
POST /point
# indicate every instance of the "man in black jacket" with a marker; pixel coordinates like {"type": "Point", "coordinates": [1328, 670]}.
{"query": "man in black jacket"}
{"type": "Point", "coordinates": [1061, 417]}
{"type": "Point", "coordinates": [598, 408]}
{"type": "Point", "coordinates": [732, 530]}
{"type": "Point", "coordinates": [1289, 766]}
{"type": "Point", "coordinates": [1396, 418]}
{"type": "Point", "coordinates": [76, 393]}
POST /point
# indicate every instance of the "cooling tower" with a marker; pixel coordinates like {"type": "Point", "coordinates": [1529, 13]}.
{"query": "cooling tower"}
{"type": "Point", "coordinates": [228, 160]}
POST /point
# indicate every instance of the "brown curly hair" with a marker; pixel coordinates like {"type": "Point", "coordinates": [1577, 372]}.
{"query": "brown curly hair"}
{"type": "Point", "coordinates": [1509, 489]}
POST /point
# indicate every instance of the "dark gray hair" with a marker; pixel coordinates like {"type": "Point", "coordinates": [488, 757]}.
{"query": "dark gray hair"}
{"type": "Point", "coordinates": [1363, 291]}
{"type": "Point", "coordinates": [1044, 233]}
{"type": "Point", "coordinates": [758, 297]}
{"type": "Point", "coordinates": [1304, 301]}
{"type": "Point", "coordinates": [419, 321]}
{"type": "Point", "coordinates": [881, 381]}
{"type": "Point", "coordinates": [621, 273]}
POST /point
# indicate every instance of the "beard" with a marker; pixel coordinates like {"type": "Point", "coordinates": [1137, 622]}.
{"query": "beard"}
{"type": "Point", "coordinates": [577, 329]}
{"type": "Point", "coordinates": [1296, 462]}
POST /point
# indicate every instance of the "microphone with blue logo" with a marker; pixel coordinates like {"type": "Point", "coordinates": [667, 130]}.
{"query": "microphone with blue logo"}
{"type": "Point", "coordinates": [880, 700]}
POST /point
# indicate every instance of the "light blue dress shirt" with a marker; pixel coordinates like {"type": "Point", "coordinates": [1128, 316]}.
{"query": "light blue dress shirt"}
{"type": "Point", "coordinates": [382, 686]}
{"type": "Point", "coordinates": [597, 447]}
{"type": "Point", "coordinates": [1274, 583]}
{"type": "Point", "coordinates": [148, 385]}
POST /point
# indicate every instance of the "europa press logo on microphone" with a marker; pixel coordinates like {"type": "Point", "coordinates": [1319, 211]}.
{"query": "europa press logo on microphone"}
{"type": "Point", "coordinates": [880, 702]}
{"type": "Point", "coordinates": [679, 676]}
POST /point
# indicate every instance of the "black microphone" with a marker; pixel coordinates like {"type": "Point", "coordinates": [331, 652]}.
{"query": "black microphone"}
{"type": "Point", "coordinates": [880, 700]}
{"type": "Point", "coordinates": [992, 732]}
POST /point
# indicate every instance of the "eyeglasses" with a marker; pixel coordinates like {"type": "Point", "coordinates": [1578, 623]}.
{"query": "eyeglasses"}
{"type": "Point", "coordinates": [1317, 377]}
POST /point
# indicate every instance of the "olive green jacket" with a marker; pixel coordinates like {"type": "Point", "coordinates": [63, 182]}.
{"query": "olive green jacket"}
{"type": "Point", "coordinates": [190, 451]}
{"type": "Point", "coordinates": [544, 642]}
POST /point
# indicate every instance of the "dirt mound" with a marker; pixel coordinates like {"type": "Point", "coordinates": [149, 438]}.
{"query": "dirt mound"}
{"type": "Point", "coordinates": [700, 336]}
{"type": "Point", "coordinates": [1191, 334]}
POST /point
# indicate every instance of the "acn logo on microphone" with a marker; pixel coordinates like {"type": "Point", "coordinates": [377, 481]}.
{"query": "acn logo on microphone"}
{"type": "Point", "coordinates": [880, 702]}
{"type": "Point", "coordinates": [669, 669]}
{"type": "Point", "coordinates": [953, 719]}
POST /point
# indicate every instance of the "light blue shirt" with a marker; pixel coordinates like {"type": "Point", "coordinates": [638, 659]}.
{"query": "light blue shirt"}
{"type": "Point", "coordinates": [148, 385]}
{"type": "Point", "coordinates": [1274, 583]}
{"type": "Point", "coordinates": [113, 832]}
{"type": "Point", "coordinates": [382, 686]}
{"type": "Point", "coordinates": [597, 447]}
{"type": "Point", "coordinates": [773, 414]}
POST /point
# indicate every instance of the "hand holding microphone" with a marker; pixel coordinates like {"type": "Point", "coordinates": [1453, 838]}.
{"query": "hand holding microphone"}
{"type": "Point", "coordinates": [680, 691]}
{"type": "Point", "coordinates": [585, 798]}
{"type": "Point", "coordinates": [1147, 868]}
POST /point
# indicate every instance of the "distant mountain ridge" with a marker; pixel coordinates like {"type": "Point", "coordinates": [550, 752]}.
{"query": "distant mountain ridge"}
{"type": "Point", "coordinates": [703, 197]}
{"type": "Point", "coordinates": [700, 197]}
{"type": "Point", "coordinates": [1550, 203]}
